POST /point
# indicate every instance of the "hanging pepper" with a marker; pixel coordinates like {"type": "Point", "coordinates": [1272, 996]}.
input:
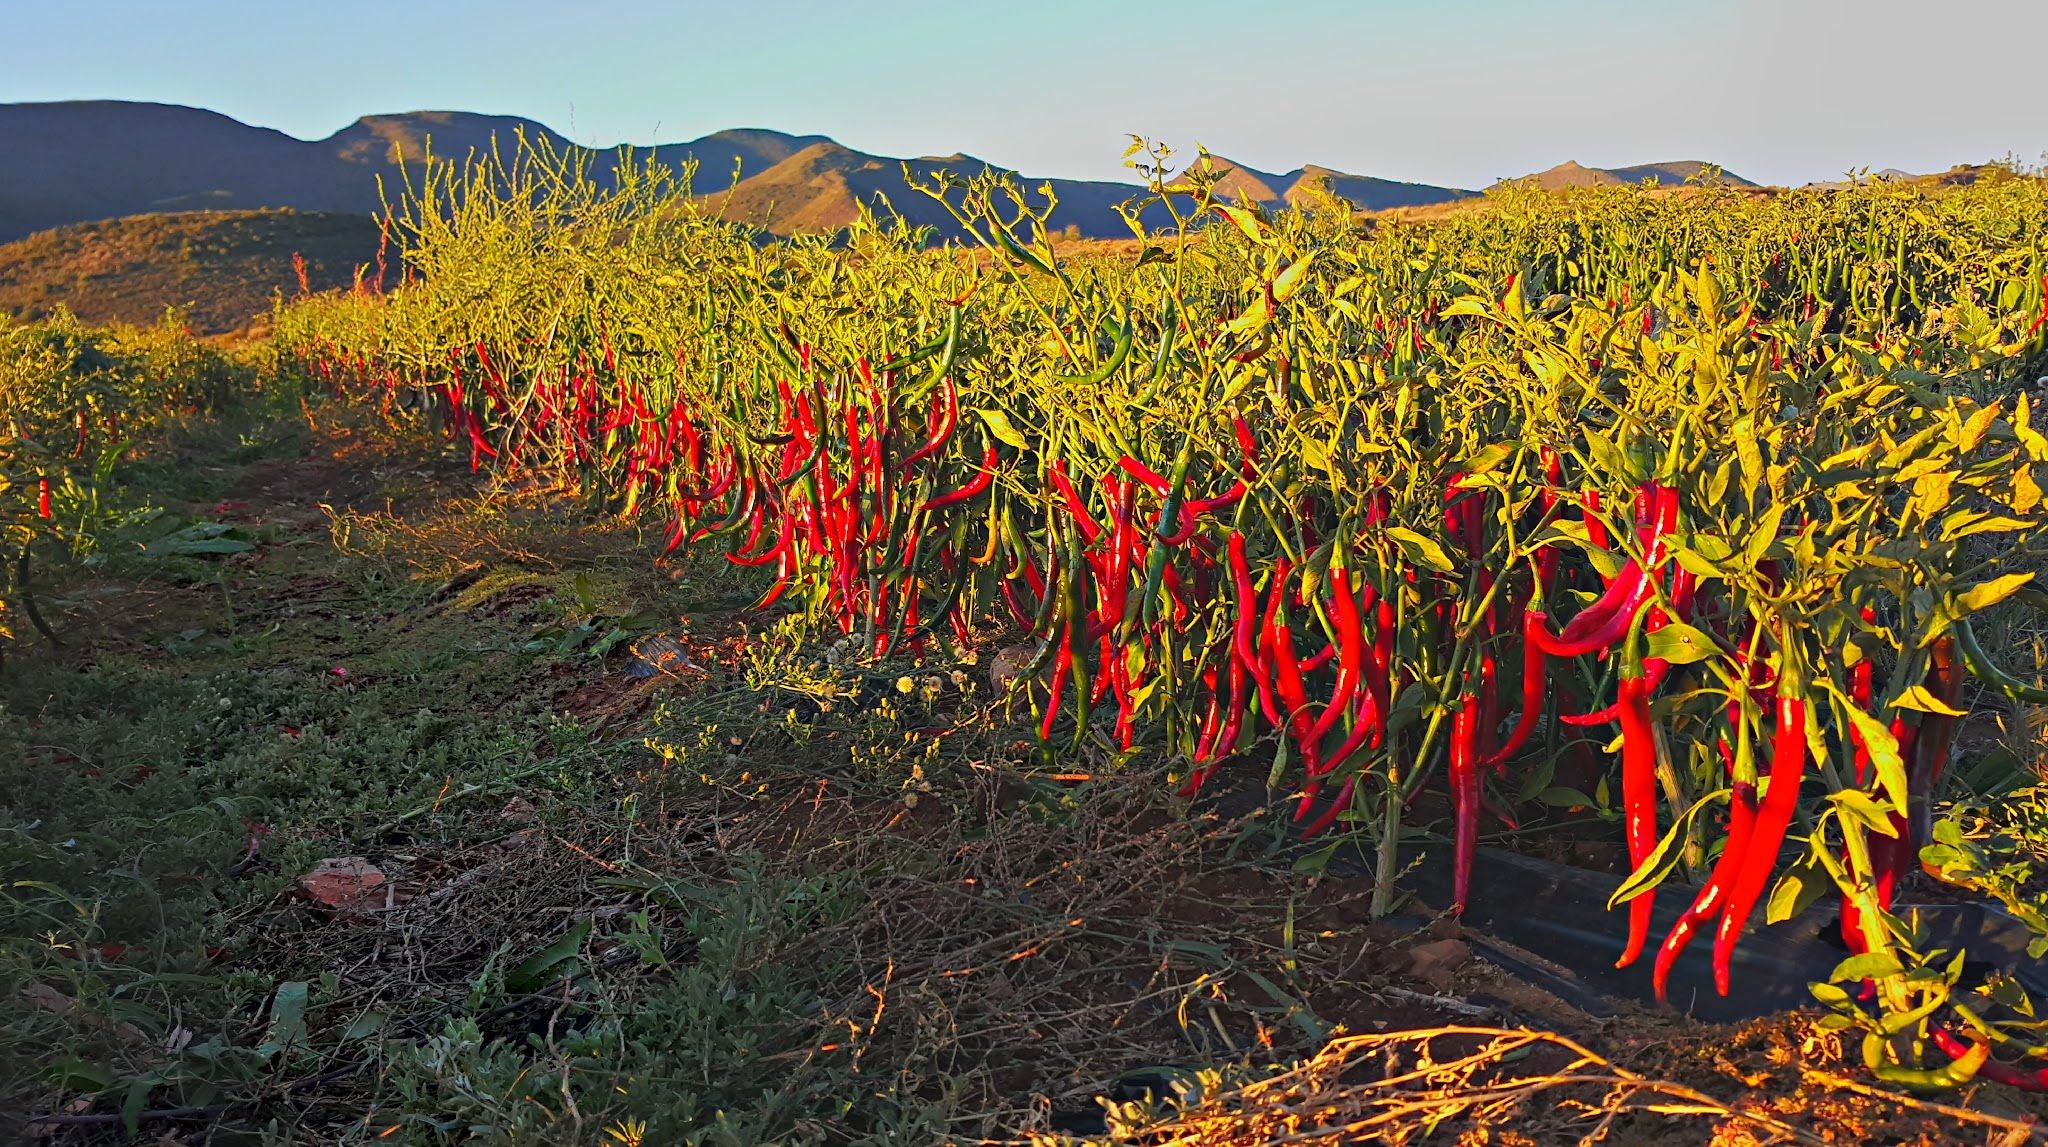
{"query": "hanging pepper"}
{"type": "Point", "coordinates": [1247, 618]}
{"type": "Point", "coordinates": [1601, 624]}
{"type": "Point", "coordinates": [1638, 780]}
{"type": "Point", "coordinates": [1773, 816]}
{"type": "Point", "coordinates": [1712, 899]}
{"type": "Point", "coordinates": [975, 485]}
{"type": "Point", "coordinates": [1464, 776]}
{"type": "Point", "coordinates": [1534, 664]}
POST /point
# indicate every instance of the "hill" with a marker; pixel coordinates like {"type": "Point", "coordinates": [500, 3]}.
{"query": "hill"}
{"type": "Point", "coordinates": [222, 267]}
{"type": "Point", "coordinates": [823, 187]}
{"type": "Point", "coordinates": [1670, 174]}
{"type": "Point", "coordinates": [1367, 193]}
{"type": "Point", "coordinates": [76, 161]}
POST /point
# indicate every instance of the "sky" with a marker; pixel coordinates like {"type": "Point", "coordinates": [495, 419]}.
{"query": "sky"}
{"type": "Point", "coordinates": [1456, 92]}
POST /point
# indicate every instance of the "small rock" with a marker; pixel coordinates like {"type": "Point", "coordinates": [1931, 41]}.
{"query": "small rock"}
{"type": "Point", "coordinates": [660, 655]}
{"type": "Point", "coordinates": [1009, 664]}
{"type": "Point", "coordinates": [1437, 963]}
{"type": "Point", "coordinates": [344, 884]}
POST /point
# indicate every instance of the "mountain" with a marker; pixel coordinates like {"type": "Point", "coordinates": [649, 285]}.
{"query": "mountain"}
{"type": "Point", "coordinates": [71, 162]}
{"type": "Point", "coordinates": [1246, 184]}
{"type": "Point", "coordinates": [96, 159]}
{"type": "Point", "coordinates": [823, 186]}
{"type": "Point", "coordinates": [1671, 174]}
{"type": "Point", "coordinates": [77, 161]}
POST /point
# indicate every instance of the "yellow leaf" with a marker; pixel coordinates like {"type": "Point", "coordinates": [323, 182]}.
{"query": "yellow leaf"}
{"type": "Point", "coordinates": [1245, 221]}
{"type": "Point", "coordinates": [1292, 278]}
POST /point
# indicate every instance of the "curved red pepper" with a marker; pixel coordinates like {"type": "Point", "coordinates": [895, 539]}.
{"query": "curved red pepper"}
{"type": "Point", "coordinates": [1712, 899]}
{"type": "Point", "coordinates": [1075, 506]}
{"type": "Point", "coordinates": [943, 422]}
{"type": "Point", "coordinates": [1773, 817]}
{"type": "Point", "coordinates": [1991, 1069]}
{"type": "Point", "coordinates": [1601, 624]}
{"type": "Point", "coordinates": [1638, 784]}
{"type": "Point", "coordinates": [1247, 617]}
{"type": "Point", "coordinates": [1144, 474]}
{"type": "Point", "coordinates": [1534, 662]}
{"type": "Point", "coordinates": [975, 485]}
{"type": "Point", "coordinates": [1351, 649]}
{"type": "Point", "coordinates": [1465, 797]}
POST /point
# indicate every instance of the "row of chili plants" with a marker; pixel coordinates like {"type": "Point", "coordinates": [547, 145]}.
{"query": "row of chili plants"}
{"type": "Point", "coordinates": [1347, 510]}
{"type": "Point", "coordinates": [73, 402]}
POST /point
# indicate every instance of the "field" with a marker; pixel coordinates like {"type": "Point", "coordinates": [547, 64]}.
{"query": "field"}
{"type": "Point", "coordinates": [641, 682]}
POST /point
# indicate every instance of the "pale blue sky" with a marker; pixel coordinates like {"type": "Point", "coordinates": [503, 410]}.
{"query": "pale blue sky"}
{"type": "Point", "coordinates": [1445, 91]}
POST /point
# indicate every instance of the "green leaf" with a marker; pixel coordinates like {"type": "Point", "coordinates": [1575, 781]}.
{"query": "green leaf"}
{"type": "Point", "coordinates": [1868, 966]}
{"type": "Point", "coordinates": [365, 1026]}
{"type": "Point", "coordinates": [551, 962]}
{"type": "Point", "coordinates": [133, 1103]}
{"type": "Point", "coordinates": [999, 425]}
{"type": "Point", "coordinates": [79, 1075]}
{"type": "Point", "coordinates": [1419, 550]}
{"type": "Point", "coordinates": [1662, 859]}
{"type": "Point", "coordinates": [1560, 796]}
{"type": "Point", "coordinates": [1489, 459]}
{"type": "Point", "coordinates": [199, 539]}
{"type": "Point", "coordinates": [1681, 644]}
{"type": "Point", "coordinates": [1797, 890]}
{"type": "Point", "coordinates": [1405, 710]}
{"type": "Point", "coordinates": [1244, 220]}
{"type": "Point", "coordinates": [1608, 563]}
{"type": "Point", "coordinates": [1857, 803]}
{"type": "Point", "coordinates": [287, 1018]}
{"type": "Point", "coordinates": [1828, 994]}
{"type": "Point", "coordinates": [1995, 524]}
{"type": "Point", "coordinates": [1315, 862]}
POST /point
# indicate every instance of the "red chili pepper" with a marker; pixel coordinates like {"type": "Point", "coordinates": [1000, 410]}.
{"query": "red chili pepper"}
{"type": "Point", "coordinates": [782, 544]}
{"type": "Point", "coordinates": [1063, 663]}
{"type": "Point", "coordinates": [1075, 506]}
{"type": "Point", "coordinates": [43, 499]}
{"type": "Point", "coordinates": [1247, 617]}
{"type": "Point", "coordinates": [1990, 1069]}
{"type": "Point", "coordinates": [1596, 528]}
{"type": "Point", "coordinates": [1351, 648]}
{"type": "Point", "coordinates": [974, 486]}
{"type": "Point", "coordinates": [1145, 474]}
{"type": "Point", "coordinates": [1465, 797]}
{"type": "Point", "coordinates": [1336, 809]}
{"type": "Point", "coordinates": [1601, 624]}
{"type": "Point", "coordinates": [1712, 899]}
{"type": "Point", "coordinates": [1533, 668]}
{"type": "Point", "coordinates": [944, 419]}
{"type": "Point", "coordinates": [1638, 782]}
{"type": "Point", "coordinates": [1279, 643]}
{"type": "Point", "coordinates": [1773, 816]}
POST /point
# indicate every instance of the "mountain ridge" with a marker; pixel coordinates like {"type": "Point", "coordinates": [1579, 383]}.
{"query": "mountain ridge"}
{"type": "Point", "coordinates": [79, 161]}
{"type": "Point", "coordinates": [1669, 173]}
{"type": "Point", "coordinates": [84, 160]}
